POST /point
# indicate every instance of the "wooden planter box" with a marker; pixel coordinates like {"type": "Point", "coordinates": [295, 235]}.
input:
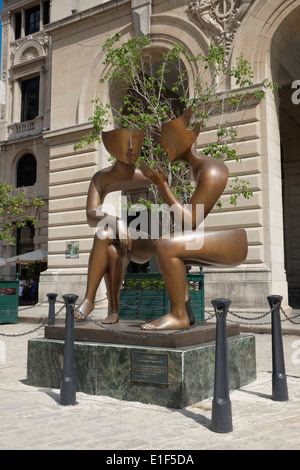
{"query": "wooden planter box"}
{"type": "Point", "coordinates": [144, 296]}
{"type": "Point", "coordinates": [9, 301]}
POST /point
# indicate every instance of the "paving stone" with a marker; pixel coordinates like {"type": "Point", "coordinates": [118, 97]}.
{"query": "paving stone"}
{"type": "Point", "coordinates": [32, 418]}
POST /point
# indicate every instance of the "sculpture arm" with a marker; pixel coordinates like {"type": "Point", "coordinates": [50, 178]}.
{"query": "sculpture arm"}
{"type": "Point", "coordinates": [182, 214]}
{"type": "Point", "coordinates": [94, 203]}
{"type": "Point", "coordinates": [95, 215]}
{"type": "Point", "coordinates": [211, 182]}
{"type": "Point", "coordinates": [185, 215]}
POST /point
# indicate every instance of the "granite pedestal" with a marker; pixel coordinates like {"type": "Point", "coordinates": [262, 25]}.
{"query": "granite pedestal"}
{"type": "Point", "coordinates": [171, 369]}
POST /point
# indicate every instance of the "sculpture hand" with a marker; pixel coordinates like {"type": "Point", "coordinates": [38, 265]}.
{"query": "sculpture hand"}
{"type": "Point", "coordinates": [123, 235]}
{"type": "Point", "coordinates": [156, 177]}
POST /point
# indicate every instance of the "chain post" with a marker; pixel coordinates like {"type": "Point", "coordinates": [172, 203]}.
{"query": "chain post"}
{"type": "Point", "coordinates": [68, 384]}
{"type": "Point", "coordinates": [51, 314]}
{"type": "Point", "coordinates": [221, 405]}
{"type": "Point", "coordinates": [279, 384]}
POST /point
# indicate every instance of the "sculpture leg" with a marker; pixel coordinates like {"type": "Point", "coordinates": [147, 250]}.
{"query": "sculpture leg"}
{"type": "Point", "coordinates": [106, 259]}
{"type": "Point", "coordinates": [173, 271]}
{"type": "Point", "coordinates": [98, 263]}
{"type": "Point", "coordinates": [114, 276]}
{"type": "Point", "coordinates": [224, 248]}
{"type": "Point", "coordinates": [141, 251]}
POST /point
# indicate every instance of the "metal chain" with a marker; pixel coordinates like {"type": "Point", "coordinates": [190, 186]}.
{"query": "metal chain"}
{"type": "Point", "coordinates": [247, 318]}
{"type": "Point", "coordinates": [22, 334]}
{"type": "Point", "coordinates": [257, 318]}
{"type": "Point", "coordinates": [264, 315]}
{"type": "Point", "coordinates": [32, 306]}
{"type": "Point", "coordinates": [33, 330]}
{"type": "Point", "coordinates": [23, 309]}
{"type": "Point", "coordinates": [132, 335]}
{"type": "Point", "coordinates": [289, 319]}
{"type": "Point", "coordinates": [175, 332]}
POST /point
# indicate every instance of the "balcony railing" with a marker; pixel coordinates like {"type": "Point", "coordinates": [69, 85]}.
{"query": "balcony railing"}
{"type": "Point", "coordinates": [25, 129]}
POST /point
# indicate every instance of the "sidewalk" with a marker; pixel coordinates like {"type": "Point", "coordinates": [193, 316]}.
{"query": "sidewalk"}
{"type": "Point", "coordinates": [32, 418]}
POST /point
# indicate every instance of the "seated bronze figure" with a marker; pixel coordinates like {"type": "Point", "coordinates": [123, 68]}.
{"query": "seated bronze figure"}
{"type": "Point", "coordinates": [113, 249]}
{"type": "Point", "coordinates": [223, 248]}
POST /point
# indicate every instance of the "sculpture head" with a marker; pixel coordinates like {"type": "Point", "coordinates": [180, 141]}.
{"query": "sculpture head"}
{"type": "Point", "coordinates": [176, 139]}
{"type": "Point", "coordinates": [124, 144]}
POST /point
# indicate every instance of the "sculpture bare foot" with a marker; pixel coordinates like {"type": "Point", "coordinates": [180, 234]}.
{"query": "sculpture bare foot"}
{"type": "Point", "coordinates": [167, 322]}
{"type": "Point", "coordinates": [83, 310]}
{"type": "Point", "coordinates": [111, 318]}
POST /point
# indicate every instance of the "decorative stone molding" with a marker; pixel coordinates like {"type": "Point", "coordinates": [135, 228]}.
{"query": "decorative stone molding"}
{"type": "Point", "coordinates": [5, 18]}
{"type": "Point", "coordinates": [221, 18]}
{"type": "Point", "coordinates": [30, 48]}
{"type": "Point", "coordinates": [141, 12]}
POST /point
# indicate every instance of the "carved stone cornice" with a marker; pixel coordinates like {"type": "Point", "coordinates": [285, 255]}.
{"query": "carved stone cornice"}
{"type": "Point", "coordinates": [29, 48]}
{"type": "Point", "coordinates": [220, 18]}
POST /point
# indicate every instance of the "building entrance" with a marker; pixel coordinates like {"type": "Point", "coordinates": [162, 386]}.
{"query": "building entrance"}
{"type": "Point", "coordinates": [289, 112]}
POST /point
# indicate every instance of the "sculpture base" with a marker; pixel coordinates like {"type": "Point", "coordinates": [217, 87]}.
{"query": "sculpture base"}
{"type": "Point", "coordinates": [165, 376]}
{"type": "Point", "coordinates": [129, 332]}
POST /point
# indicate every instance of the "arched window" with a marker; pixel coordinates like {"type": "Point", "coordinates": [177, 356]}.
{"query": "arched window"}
{"type": "Point", "coordinates": [26, 171]}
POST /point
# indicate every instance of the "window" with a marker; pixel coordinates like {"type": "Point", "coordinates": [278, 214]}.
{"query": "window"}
{"type": "Point", "coordinates": [32, 20]}
{"type": "Point", "coordinates": [18, 25]}
{"type": "Point", "coordinates": [25, 239]}
{"type": "Point", "coordinates": [26, 171]}
{"type": "Point", "coordinates": [46, 13]}
{"type": "Point", "coordinates": [30, 90]}
{"type": "Point", "coordinates": [33, 17]}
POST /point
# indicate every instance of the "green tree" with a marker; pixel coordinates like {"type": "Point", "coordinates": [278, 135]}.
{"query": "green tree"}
{"type": "Point", "coordinates": [34, 270]}
{"type": "Point", "coordinates": [16, 211]}
{"type": "Point", "coordinates": [157, 89]}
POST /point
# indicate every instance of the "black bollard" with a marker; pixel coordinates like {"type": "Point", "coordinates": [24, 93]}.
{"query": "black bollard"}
{"type": "Point", "coordinates": [68, 384]}
{"type": "Point", "coordinates": [51, 314]}
{"type": "Point", "coordinates": [221, 405]}
{"type": "Point", "coordinates": [279, 384]}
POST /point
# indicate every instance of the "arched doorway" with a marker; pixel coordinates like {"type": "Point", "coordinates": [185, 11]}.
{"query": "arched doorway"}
{"type": "Point", "coordinates": [289, 119]}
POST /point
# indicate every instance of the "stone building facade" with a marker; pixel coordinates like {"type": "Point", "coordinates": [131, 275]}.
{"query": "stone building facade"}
{"type": "Point", "coordinates": [64, 52]}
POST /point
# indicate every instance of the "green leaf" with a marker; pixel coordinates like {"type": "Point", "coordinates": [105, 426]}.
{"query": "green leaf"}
{"type": "Point", "coordinates": [156, 88]}
{"type": "Point", "coordinates": [15, 211]}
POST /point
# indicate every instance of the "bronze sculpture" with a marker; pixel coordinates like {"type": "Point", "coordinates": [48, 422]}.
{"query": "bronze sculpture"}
{"type": "Point", "coordinates": [220, 248]}
{"type": "Point", "coordinates": [113, 247]}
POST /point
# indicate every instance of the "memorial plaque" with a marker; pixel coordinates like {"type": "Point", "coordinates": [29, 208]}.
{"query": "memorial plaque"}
{"type": "Point", "coordinates": [151, 368]}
